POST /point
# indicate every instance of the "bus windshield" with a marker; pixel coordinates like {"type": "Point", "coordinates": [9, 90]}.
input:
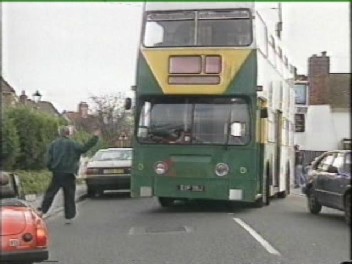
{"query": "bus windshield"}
{"type": "Point", "coordinates": [198, 28]}
{"type": "Point", "coordinates": [194, 121]}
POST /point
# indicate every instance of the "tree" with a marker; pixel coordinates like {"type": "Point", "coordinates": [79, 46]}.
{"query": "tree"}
{"type": "Point", "coordinates": [113, 120]}
{"type": "Point", "coordinates": [82, 137]}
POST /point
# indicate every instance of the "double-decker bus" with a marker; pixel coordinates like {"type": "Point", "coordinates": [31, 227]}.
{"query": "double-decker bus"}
{"type": "Point", "coordinates": [214, 105]}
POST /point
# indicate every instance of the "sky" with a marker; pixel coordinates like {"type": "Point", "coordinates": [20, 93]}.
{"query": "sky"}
{"type": "Point", "coordinates": [72, 51]}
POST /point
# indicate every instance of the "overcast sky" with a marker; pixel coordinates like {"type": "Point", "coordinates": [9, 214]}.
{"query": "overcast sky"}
{"type": "Point", "coordinates": [71, 51]}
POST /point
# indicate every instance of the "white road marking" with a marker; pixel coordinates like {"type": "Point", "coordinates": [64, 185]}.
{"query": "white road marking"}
{"type": "Point", "coordinates": [258, 237]}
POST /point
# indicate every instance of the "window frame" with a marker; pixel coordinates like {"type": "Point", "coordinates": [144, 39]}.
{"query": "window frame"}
{"type": "Point", "coordinates": [196, 21]}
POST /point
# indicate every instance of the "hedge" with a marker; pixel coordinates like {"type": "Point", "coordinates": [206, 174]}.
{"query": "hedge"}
{"type": "Point", "coordinates": [9, 143]}
{"type": "Point", "coordinates": [34, 131]}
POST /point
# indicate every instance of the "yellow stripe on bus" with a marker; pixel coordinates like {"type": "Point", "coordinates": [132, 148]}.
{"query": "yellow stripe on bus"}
{"type": "Point", "coordinates": [158, 61]}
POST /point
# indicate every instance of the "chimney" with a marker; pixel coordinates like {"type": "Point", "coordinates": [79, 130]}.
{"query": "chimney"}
{"type": "Point", "coordinates": [83, 109]}
{"type": "Point", "coordinates": [318, 73]}
{"type": "Point", "coordinates": [23, 97]}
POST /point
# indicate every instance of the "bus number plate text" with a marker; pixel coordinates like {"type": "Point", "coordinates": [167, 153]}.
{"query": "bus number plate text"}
{"type": "Point", "coordinates": [191, 188]}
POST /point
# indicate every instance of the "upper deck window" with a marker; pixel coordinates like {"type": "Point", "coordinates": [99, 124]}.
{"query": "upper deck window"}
{"type": "Point", "coordinates": [198, 28]}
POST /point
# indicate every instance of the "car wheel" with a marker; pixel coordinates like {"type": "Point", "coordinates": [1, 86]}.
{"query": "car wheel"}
{"type": "Point", "coordinates": [90, 192]}
{"type": "Point", "coordinates": [348, 208]}
{"type": "Point", "coordinates": [282, 194]}
{"type": "Point", "coordinates": [313, 203]}
{"type": "Point", "coordinates": [259, 203]}
{"type": "Point", "coordinates": [99, 192]}
{"type": "Point", "coordinates": [165, 201]}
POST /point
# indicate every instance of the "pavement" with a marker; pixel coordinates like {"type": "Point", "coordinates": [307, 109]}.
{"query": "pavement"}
{"type": "Point", "coordinates": [296, 191]}
{"type": "Point", "coordinates": [57, 206]}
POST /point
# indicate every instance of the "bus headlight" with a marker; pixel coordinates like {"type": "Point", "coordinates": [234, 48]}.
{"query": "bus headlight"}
{"type": "Point", "coordinates": [160, 167]}
{"type": "Point", "coordinates": [222, 169]}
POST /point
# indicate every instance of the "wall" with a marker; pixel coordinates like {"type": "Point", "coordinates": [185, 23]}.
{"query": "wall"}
{"type": "Point", "coordinates": [324, 129]}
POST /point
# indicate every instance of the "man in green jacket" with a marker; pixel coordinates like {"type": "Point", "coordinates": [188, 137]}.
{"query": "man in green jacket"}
{"type": "Point", "coordinates": [63, 161]}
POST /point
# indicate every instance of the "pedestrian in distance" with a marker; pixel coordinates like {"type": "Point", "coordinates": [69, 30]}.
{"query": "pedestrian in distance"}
{"type": "Point", "coordinates": [299, 176]}
{"type": "Point", "coordinates": [63, 161]}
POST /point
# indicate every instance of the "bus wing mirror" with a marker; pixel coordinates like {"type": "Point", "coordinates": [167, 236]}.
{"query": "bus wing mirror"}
{"type": "Point", "coordinates": [264, 113]}
{"type": "Point", "coordinates": [128, 103]}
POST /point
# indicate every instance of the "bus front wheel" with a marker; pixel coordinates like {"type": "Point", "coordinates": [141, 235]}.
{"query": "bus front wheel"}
{"type": "Point", "coordinates": [165, 201]}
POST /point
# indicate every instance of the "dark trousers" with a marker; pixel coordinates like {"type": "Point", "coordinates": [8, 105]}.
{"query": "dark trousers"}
{"type": "Point", "coordinates": [67, 182]}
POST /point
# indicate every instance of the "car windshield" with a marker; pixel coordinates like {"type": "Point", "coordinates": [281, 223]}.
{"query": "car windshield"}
{"type": "Point", "coordinates": [113, 155]}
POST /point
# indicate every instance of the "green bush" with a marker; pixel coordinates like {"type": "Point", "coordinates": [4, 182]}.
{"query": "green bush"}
{"type": "Point", "coordinates": [9, 143]}
{"type": "Point", "coordinates": [34, 181]}
{"type": "Point", "coordinates": [35, 131]}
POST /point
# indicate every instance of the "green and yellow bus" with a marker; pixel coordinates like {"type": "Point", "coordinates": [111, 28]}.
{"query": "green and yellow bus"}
{"type": "Point", "coordinates": [214, 106]}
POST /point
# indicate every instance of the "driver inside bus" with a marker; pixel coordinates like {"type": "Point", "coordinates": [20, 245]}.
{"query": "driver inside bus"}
{"type": "Point", "coordinates": [179, 136]}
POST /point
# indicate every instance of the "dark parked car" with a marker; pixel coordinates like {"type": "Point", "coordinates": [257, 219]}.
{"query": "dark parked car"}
{"type": "Point", "coordinates": [329, 182]}
{"type": "Point", "coordinates": [109, 169]}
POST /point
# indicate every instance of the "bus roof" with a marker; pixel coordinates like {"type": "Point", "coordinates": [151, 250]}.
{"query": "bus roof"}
{"type": "Point", "coordinates": [149, 6]}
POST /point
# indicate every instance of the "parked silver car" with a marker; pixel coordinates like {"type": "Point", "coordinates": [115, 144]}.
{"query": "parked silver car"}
{"type": "Point", "coordinates": [109, 169]}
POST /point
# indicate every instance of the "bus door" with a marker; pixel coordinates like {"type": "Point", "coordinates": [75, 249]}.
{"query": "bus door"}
{"type": "Point", "coordinates": [262, 135]}
{"type": "Point", "coordinates": [278, 133]}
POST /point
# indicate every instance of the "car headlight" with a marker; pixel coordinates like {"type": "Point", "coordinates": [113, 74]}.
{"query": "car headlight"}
{"type": "Point", "coordinates": [222, 169]}
{"type": "Point", "coordinates": [160, 167]}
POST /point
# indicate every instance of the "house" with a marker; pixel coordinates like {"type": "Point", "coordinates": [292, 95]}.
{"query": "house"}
{"type": "Point", "coordinates": [10, 98]}
{"type": "Point", "coordinates": [323, 118]}
{"type": "Point", "coordinates": [81, 119]}
{"type": "Point", "coordinates": [42, 106]}
{"type": "Point", "coordinates": [8, 94]}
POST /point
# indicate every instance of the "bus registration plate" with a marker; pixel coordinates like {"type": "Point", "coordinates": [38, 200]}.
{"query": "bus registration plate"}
{"type": "Point", "coordinates": [191, 188]}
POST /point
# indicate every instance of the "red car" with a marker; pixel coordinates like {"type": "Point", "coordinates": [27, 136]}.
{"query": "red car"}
{"type": "Point", "coordinates": [24, 235]}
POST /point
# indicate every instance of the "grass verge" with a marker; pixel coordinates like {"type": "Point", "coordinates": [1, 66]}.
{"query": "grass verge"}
{"type": "Point", "coordinates": [36, 182]}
